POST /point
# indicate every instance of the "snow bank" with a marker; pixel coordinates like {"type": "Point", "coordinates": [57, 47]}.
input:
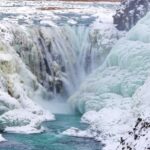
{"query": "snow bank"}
{"type": "Point", "coordinates": [22, 121]}
{"type": "Point", "coordinates": [63, 54]}
{"type": "Point", "coordinates": [2, 139]}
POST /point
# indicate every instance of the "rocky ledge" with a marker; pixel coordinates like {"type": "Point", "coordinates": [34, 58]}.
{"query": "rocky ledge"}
{"type": "Point", "coordinates": [137, 137]}
{"type": "Point", "coordinates": [129, 12]}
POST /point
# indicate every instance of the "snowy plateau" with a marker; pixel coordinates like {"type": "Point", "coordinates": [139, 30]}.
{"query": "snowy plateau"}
{"type": "Point", "coordinates": [68, 57]}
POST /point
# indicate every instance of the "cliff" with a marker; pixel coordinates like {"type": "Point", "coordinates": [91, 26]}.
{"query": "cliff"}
{"type": "Point", "coordinates": [129, 12]}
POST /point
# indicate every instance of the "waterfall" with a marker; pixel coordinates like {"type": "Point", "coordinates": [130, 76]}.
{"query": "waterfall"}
{"type": "Point", "coordinates": [125, 70]}
{"type": "Point", "coordinates": [60, 57]}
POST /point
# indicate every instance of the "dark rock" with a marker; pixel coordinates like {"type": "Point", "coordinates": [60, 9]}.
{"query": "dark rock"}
{"type": "Point", "coordinates": [140, 130]}
{"type": "Point", "coordinates": [129, 12]}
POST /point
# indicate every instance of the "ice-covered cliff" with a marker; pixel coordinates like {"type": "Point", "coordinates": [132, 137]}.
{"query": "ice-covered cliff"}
{"type": "Point", "coordinates": [18, 88]}
{"type": "Point", "coordinates": [118, 91]}
{"type": "Point", "coordinates": [45, 55]}
{"type": "Point", "coordinates": [61, 57]}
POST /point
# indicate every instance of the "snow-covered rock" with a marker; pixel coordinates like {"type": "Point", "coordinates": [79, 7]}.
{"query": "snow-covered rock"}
{"type": "Point", "coordinates": [23, 121]}
{"type": "Point", "coordinates": [129, 12]}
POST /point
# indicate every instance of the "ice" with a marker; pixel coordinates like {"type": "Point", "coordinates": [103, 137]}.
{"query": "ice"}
{"type": "Point", "coordinates": [51, 12]}
{"type": "Point", "coordinates": [118, 91]}
{"type": "Point", "coordinates": [24, 74]}
{"type": "Point", "coordinates": [71, 21]}
{"type": "Point", "coordinates": [37, 54]}
{"type": "Point", "coordinates": [22, 121]}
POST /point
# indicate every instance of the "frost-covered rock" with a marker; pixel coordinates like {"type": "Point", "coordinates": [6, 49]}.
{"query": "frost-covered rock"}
{"type": "Point", "coordinates": [129, 12]}
{"type": "Point", "coordinates": [18, 88]}
{"type": "Point", "coordinates": [7, 103]}
{"type": "Point", "coordinates": [2, 139]}
{"type": "Point", "coordinates": [138, 136]}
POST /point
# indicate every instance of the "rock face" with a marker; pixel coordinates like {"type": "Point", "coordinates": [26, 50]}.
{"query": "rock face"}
{"type": "Point", "coordinates": [129, 12]}
{"type": "Point", "coordinates": [137, 136]}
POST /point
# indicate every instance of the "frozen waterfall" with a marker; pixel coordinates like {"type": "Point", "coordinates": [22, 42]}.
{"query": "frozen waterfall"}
{"type": "Point", "coordinates": [61, 57]}
{"type": "Point", "coordinates": [125, 69]}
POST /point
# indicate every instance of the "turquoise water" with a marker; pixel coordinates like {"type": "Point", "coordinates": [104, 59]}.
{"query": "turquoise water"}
{"type": "Point", "coordinates": [51, 139]}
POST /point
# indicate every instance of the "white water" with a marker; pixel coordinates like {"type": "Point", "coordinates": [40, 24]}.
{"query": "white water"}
{"type": "Point", "coordinates": [61, 57]}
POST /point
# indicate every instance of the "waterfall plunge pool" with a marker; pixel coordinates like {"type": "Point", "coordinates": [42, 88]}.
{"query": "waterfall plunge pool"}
{"type": "Point", "coordinates": [52, 138]}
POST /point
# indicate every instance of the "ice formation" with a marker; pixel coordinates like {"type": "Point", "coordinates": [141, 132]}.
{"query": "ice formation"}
{"type": "Point", "coordinates": [118, 91]}
{"type": "Point", "coordinates": [124, 71]}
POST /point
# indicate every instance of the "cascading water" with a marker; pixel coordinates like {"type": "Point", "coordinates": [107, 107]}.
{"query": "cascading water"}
{"type": "Point", "coordinates": [62, 57]}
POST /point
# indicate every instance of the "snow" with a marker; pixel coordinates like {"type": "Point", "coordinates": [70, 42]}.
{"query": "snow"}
{"type": "Point", "coordinates": [47, 23]}
{"type": "Point", "coordinates": [83, 25]}
{"type": "Point", "coordinates": [24, 130]}
{"type": "Point", "coordinates": [56, 12]}
{"type": "Point", "coordinates": [2, 139]}
{"type": "Point", "coordinates": [71, 21]}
